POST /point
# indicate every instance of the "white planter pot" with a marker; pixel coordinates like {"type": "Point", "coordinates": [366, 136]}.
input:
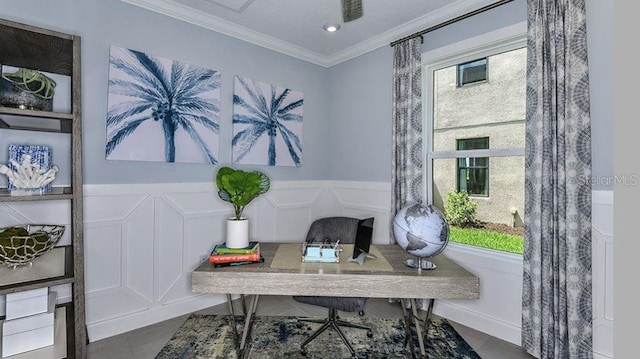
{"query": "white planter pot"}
{"type": "Point", "coordinates": [237, 233]}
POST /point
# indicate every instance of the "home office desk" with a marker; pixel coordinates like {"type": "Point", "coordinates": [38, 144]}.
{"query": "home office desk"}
{"type": "Point", "coordinates": [448, 281]}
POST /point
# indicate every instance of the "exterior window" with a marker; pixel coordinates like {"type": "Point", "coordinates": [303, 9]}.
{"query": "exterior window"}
{"type": "Point", "coordinates": [473, 172]}
{"type": "Point", "coordinates": [472, 72]}
{"type": "Point", "coordinates": [460, 120]}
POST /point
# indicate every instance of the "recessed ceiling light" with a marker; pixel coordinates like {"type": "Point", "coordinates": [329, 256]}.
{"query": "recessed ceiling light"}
{"type": "Point", "coordinates": [331, 27]}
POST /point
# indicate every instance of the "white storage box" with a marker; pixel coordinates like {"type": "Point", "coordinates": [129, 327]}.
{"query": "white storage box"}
{"type": "Point", "coordinates": [30, 332]}
{"type": "Point", "coordinates": [26, 303]}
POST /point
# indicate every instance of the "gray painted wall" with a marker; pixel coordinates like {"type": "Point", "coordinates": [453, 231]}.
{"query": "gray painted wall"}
{"type": "Point", "coordinates": [359, 139]}
{"type": "Point", "coordinates": [347, 111]}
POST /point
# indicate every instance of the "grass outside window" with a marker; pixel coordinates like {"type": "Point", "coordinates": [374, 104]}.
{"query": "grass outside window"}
{"type": "Point", "coordinates": [487, 239]}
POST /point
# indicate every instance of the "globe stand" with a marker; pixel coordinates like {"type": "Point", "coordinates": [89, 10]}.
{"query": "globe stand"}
{"type": "Point", "coordinates": [420, 263]}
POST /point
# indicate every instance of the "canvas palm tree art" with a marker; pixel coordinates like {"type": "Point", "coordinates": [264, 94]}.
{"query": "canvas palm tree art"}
{"type": "Point", "coordinates": [161, 110]}
{"type": "Point", "coordinates": [267, 124]}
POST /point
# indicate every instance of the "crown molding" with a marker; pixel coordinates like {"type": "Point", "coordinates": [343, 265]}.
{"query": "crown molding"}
{"type": "Point", "coordinates": [386, 38]}
{"type": "Point", "coordinates": [192, 16]}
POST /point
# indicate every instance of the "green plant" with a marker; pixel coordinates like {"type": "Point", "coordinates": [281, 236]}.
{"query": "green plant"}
{"type": "Point", "coordinates": [240, 187]}
{"type": "Point", "coordinates": [33, 82]}
{"type": "Point", "coordinates": [460, 210]}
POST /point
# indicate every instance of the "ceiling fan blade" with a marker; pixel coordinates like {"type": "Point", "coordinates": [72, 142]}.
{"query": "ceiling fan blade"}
{"type": "Point", "coordinates": [351, 10]}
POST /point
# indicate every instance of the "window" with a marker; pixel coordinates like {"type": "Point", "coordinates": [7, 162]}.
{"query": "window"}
{"type": "Point", "coordinates": [475, 136]}
{"type": "Point", "coordinates": [473, 172]}
{"type": "Point", "coordinates": [472, 72]}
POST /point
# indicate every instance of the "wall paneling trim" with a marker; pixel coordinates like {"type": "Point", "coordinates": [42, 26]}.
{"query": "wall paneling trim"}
{"type": "Point", "coordinates": [143, 240]}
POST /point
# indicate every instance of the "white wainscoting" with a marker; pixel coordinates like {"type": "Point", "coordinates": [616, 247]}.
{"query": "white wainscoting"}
{"type": "Point", "coordinates": [602, 239]}
{"type": "Point", "coordinates": [498, 311]}
{"type": "Point", "coordinates": [142, 241]}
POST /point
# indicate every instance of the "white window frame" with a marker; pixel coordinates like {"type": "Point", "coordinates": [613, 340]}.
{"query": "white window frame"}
{"type": "Point", "coordinates": [498, 41]}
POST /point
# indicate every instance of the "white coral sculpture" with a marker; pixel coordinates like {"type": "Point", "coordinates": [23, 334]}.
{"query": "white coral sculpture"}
{"type": "Point", "coordinates": [28, 175]}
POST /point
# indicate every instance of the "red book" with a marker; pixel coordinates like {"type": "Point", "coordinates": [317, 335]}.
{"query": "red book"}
{"type": "Point", "coordinates": [230, 258]}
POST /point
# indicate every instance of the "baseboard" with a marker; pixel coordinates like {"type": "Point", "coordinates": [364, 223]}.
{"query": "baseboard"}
{"type": "Point", "coordinates": [119, 325]}
{"type": "Point", "coordinates": [476, 320]}
{"type": "Point", "coordinates": [601, 356]}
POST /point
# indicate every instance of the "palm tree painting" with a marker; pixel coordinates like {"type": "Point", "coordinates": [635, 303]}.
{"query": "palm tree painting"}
{"type": "Point", "coordinates": [161, 110]}
{"type": "Point", "coordinates": [267, 124]}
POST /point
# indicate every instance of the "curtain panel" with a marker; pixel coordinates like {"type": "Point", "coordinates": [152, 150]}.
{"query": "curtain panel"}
{"type": "Point", "coordinates": [557, 298]}
{"type": "Point", "coordinates": [407, 158]}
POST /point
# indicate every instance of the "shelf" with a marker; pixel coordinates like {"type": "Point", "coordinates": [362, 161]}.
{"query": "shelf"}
{"type": "Point", "coordinates": [36, 113]}
{"type": "Point", "coordinates": [34, 120]}
{"type": "Point", "coordinates": [51, 269]}
{"type": "Point", "coordinates": [63, 341]}
{"type": "Point", "coordinates": [56, 193]}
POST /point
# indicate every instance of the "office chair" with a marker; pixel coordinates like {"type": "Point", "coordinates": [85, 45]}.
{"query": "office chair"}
{"type": "Point", "coordinates": [344, 229]}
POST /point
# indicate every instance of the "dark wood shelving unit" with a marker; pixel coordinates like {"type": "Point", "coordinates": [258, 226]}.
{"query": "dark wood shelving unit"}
{"type": "Point", "coordinates": [31, 47]}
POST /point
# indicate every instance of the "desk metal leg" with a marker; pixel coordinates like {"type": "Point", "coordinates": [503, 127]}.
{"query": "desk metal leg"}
{"type": "Point", "coordinates": [408, 342]}
{"type": "Point", "coordinates": [232, 321]}
{"type": "Point", "coordinates": [243, 301]}
{"type": "Point", "coordinates": [248, 325]}
{"type": "Point", "coordinates": [427, 319]}
{"type": "Point", "coordinates": [242, 346]}
{"type": "Point", "coordinates": [421, 325]}
{"type": "Point", "coordinates": [416, 322]}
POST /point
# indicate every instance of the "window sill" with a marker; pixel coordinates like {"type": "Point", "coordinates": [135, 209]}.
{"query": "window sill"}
{"type": "Point", "coordinates": [488, 258]}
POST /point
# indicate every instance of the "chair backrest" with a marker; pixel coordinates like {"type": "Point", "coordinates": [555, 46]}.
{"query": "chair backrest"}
{"type": "Point", "coordinates": [343, 229]}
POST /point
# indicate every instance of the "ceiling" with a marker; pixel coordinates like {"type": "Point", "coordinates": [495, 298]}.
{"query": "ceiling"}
{"type": "Point", "coordinates": [294, 27]}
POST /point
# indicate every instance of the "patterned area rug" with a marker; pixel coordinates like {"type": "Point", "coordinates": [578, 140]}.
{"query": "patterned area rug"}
{"type": "Point", "coordinates": [210, 336]}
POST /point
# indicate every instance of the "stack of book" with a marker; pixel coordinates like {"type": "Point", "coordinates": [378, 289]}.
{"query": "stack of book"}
{"type": "Point", "coordinates": [223, 256]}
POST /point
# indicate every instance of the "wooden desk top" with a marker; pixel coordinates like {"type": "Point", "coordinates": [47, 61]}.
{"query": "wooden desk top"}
{"type": "Point", "coordinates": [448, 281]}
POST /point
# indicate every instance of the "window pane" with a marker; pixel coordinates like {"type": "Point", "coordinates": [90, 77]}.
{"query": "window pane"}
{"type": "Point", "coordinates": [474, 181]}
{"type": "Point", "coordinates": [502, 210]}
{"type": "Point", "coordinates": [488, 118]}
{"type": "Point", "coordinates": [470, 72]}
{"type": "Point", "coordinates": [495, 109]}
{"type": "Point", "coordinates": [473, 172]}
{"type": "Point", "coordinates": [473, 143]}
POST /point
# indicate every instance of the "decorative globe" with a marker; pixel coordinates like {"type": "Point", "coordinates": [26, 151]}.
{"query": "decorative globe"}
{"type": "Point", "coordinates": [421, 230]}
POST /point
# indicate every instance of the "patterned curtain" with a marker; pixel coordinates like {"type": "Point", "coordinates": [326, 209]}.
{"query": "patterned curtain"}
{"type": "Point", "coordinates": [557, 303]}
{"type": "Point", "coordinates": [406, 176]}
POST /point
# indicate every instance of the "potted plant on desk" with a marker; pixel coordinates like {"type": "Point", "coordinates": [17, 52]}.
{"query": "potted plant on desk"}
{"type": "Point", "coordinates": [239, 188]}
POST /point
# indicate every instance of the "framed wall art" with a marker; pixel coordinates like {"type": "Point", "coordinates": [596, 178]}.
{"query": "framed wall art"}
{"type": "Point", "coordinates": [161, 110]}
{"type": "Point", "coordinates": [267, 124]}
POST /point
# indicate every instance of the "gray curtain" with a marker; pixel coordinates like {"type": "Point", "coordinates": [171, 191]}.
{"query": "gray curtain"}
{"type": "Point", "coordinates": [407, 159]}
{"type": "Point", "coordinates": [557, 300]}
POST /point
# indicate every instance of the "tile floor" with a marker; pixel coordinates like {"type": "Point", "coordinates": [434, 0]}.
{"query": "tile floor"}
{"type": "Point", "coordinates": [146, 342]}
